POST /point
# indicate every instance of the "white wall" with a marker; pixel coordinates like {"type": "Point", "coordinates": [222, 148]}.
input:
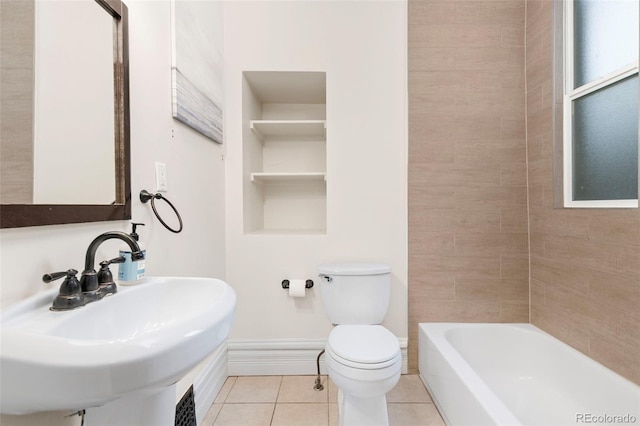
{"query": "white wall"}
{"type": "Point", "coordinates": [361, 45]}
{"type": "Point", "coordinates": [196, 187]}
{"type": "Point", "coordinates": [73, 75]}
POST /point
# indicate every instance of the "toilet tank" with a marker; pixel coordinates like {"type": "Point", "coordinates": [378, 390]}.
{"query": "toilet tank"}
{"type": "Point", "coordinates": [355, 293]}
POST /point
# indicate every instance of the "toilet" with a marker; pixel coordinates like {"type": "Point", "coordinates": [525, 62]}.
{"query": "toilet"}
{"type": "Point", "coordinates": [362, 357]}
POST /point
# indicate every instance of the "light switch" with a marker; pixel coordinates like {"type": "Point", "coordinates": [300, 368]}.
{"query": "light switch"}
{"type": "Point", "coordinates": [161, 177]}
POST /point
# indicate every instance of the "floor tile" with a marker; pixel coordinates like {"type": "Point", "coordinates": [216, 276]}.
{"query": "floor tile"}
{"type": "Point", "coordinates": [413, 414]}
{"type": "Point", "coordinates": [301, 389]}
{"type": "Point", "coordinates": [211, 415]}
{"type": "Point", "coordinates": [301, 415]}
{"type": "Point", "coordinates": [224, 391]}
{"type": "Point", "coordinates": [245, 415]}
{"type": "Point", "coordinates": [254, 389]}
{"type": "Point", "coordinates": [409, 389]}
{"type": "Point", "coordinates": [334, 419]}
{"type": "Point", "coordinates": [333, 391]}
{"type": "Point", "coordinates": [291, 400]}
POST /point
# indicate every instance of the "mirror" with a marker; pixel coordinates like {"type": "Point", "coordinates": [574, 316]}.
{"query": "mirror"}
{"type": "Point", "coordinates": [65, 153]}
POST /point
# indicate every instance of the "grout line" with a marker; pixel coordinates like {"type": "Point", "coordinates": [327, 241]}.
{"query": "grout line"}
{"type": "Point", "coordinates": [526, 150]}
{"type": "Point", "coordinates": [253, 403]}
{"type": "Point", "coordinates": [302, 403]}
{"type": "Point", "coordinates": [275, 403]}
{"type": "Point", "coordinates": [328, 414]}
{"type": "Point", "coordinates": [279, 388]}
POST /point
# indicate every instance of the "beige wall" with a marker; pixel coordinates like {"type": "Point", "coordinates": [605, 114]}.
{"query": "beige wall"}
{"type": "Point", "coordinates": [468, 241]}
{"type": "Point", "coordinates": [16, 77]}
{"type": "Point", "coordinates": [468, 179]}
{"type": "Point", "coordinates": [585, 263]}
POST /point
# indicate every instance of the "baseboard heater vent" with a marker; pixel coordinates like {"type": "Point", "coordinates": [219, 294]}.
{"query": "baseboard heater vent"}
{"type": "Point", "coordinates": [186, 410]}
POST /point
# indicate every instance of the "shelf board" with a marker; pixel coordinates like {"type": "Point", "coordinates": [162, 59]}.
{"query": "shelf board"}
{"type": "Point", "coordinates": [288, 232]}
{"type": "Point", "coordinates": [287, 177]}
{"type": "Point", "coordinates": [264, 128]}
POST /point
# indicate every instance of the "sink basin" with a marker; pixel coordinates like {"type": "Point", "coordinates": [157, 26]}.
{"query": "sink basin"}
{"type": "Point", "coordinates": [144, 337]}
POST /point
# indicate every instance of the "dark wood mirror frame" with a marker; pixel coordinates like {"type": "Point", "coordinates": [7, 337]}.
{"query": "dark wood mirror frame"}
{"type": "Point", "coordinates": [21, 215]}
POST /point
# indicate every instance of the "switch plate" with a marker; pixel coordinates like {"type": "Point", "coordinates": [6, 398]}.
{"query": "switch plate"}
{"type": "Point", "coordinates": [161, 177]}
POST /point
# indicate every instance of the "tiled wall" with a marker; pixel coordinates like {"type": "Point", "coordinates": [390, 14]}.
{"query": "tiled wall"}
{"type": "Point", "coordinates": [16, 130]}
{"type": "Point", "coordinates": [585, 263]}
{"type": "Point", "coordinates": [468, 237]}
{"type": "Point", "coordinates": [468, 225]}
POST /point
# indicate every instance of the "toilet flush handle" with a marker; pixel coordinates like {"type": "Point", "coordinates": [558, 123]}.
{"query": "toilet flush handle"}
{"type": "Point", "coordinates": [326, 277]}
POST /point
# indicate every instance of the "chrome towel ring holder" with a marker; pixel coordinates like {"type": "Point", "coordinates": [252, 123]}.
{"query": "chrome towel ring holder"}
{"type": "Point", "coordinates": [145, 196]}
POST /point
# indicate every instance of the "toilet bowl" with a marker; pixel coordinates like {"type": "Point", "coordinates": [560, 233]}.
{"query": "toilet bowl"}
{"type": "Point", "coordinates": [364, 361]}
{"type": "Point", "coordinates": [362, 357]}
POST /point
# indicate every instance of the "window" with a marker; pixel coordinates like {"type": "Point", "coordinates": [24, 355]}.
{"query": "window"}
{"type": "Point", "coordinates": [600, 103]}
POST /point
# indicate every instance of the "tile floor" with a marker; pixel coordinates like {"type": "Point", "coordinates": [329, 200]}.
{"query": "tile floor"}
{"type": "Point", "coordinates": [292, 401]}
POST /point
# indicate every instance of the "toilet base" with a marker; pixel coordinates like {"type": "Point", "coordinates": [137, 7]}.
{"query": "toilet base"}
{"type": "Point", "coordinates": [357, 411]}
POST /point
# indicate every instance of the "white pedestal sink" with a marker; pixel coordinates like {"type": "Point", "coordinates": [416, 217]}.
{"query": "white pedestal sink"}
{"type": "Point", "coordinates": [122, 354]}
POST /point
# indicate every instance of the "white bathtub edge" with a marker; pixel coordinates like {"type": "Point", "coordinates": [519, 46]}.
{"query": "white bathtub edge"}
{"type": "Point", "coordinates": [463, 396]}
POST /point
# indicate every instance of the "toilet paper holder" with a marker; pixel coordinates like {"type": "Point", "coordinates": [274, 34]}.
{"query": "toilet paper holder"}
{"type": "Point", "coordinates": [307, 284]}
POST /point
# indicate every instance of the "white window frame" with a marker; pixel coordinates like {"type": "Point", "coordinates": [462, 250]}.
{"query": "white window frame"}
{"type": "Point", "coordinates": [571, 94]}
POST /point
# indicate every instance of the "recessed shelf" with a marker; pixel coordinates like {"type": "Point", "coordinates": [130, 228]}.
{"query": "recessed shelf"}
{"type": "Point", "coordinates": [284, 153]}
{"type": "Point", "coordinates": [265, 128]}
{"type": "Point", "coordinates": [287, 177]}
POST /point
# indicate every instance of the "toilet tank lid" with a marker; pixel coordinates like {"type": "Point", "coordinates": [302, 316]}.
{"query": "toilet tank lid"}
{"type": "Point", "coordinates": [354, 269]}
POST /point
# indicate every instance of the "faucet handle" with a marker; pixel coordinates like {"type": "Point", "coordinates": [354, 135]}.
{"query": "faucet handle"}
{"type": "Point", "coordinates": [47, 278]}
{"type": "Point", "coordinates": [119, 259]}
{"type": "Point", "coordinates": [105, 277]}
{"type": "Point", "coordinates": [70, 294]}
{"type": "Point", "coordinates": [104, 274]}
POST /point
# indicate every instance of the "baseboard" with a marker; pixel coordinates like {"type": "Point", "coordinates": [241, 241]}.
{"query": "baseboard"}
{"type": "Point", "coordinates": [254, 357]}
{"type": "Point", "coordinates": [209, 382]}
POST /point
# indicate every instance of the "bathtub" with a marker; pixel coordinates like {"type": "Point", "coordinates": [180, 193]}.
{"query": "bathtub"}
{"type": "Point", "coordinates": [516, 374]}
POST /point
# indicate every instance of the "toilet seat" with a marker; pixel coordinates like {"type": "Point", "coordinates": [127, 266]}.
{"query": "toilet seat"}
{"type": "Point", "coordinates": [368, 347]}
{"type": "Point", "coordinates": [351, 365]}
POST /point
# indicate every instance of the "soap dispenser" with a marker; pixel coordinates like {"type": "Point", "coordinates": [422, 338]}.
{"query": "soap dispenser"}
{"type": "Point", "coordinates": [131, 272]}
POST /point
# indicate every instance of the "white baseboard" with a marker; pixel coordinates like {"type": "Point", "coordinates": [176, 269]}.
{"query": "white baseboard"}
{"type": "Point", "coordinates": [209, 382]}
{"type": "Point", "coordinates": [256, 357]}
{"type": "Point", "coordinates": [253, 357]}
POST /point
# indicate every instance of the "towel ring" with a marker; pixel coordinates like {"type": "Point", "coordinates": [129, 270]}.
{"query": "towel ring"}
{"type": "Point", "coordinates": [146, 196]}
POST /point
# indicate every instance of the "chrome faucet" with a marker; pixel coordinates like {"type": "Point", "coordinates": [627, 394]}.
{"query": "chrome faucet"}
{"type": "Point", "coordinates": [89, 279]}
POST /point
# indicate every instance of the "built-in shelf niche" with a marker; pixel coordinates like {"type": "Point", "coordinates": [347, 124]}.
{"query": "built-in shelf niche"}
{"type": "Point", "coordinates": [284, 149]}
